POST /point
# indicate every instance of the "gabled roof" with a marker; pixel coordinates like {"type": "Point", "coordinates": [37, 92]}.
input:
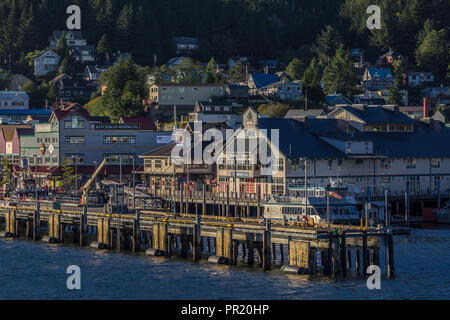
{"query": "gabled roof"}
{"type": "Point", "coordinates": [333, 99]}
{"type": "Point", "coordinates": [165, 151]}
{"type": "Point", "coordinates": [378, 115]}
{"type": "Point", "coordinates": [299, 113]}
{"type": "Point", "coordinates": [9, 130]}
{"type": "Point", "coordinates": [45, 52]}
{"type": "Point", "coordinates": [304, 139]}
{"type": "Point", "coordinates": [382, 73]}
{"type": "Point", "coordinates": [72, 108]}
{"type": "Point", "coordinates": [185, 40]}
{"type": "Point", "coordinates": [298, 141]}
{"type": "Point", "coordinates": [262, 80]}
{"type": "Point", "coordinates": [8, 95]}
{"type": "Point", "coordinates": [77, 35]}
{"type": "Point", "coordinates": [144, 123]}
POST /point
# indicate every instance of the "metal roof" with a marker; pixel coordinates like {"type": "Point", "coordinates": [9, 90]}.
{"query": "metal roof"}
{"type": "Point", "coordinates": [303, 139]}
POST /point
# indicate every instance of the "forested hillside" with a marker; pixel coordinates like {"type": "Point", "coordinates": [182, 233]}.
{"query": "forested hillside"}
{"type": "Point", "coordinates": [260, 28]}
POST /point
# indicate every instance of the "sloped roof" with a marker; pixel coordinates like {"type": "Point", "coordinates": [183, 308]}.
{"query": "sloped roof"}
{"type": "Point", "coordinates": [298, 113]}
{"type": "Point", "coordinates": [71, 108]}
{"type": "Point", "coordinates": [378, 115]}
{"type": "Point", "coordinates": [7, 95]}
{"type": "Point", "coordinates": [298, 141]}
{"type": "Point", "coordinates": [165, 151]}
{"type": "Point", "coordinates": [382, 73]}
{"type": "Point", "coordinates": [337, 99]}
{"type": "Point", "coordinates": [30, 112]}
{"type": "Point", "coordinates": [45, 52]}
{"type": "Point", "coordinates": [77, 35]}
{"type": "Point", "coordinates": [9, 130]}
{"type": "Point", "coordinates": [262, 80]}
{"type": "Point", "coordinates": [303, 139]}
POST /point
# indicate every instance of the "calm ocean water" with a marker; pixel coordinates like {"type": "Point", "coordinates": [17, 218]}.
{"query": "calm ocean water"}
{"type": "Point", "coordinates": [34, 270]}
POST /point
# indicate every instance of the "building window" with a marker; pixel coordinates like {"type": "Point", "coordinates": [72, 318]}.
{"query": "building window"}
{"type": "Point", "coordinates": [386, 163]}
{"type": "Point", "coordinates": [120, 140]}
{"type": "Point", "coordinates": [435, 163]}
{"type": "Point", "coordinates": [74, 140]}
{"type": "Point", "coordinates": [411, 163]}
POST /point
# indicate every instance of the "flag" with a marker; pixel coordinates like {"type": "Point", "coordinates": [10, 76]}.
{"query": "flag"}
{"type": "Point", "coordinates": [334, 195]}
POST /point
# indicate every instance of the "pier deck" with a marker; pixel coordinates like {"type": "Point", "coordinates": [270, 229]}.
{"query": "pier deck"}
{"type": "Point", "coordinates": [298, 247]}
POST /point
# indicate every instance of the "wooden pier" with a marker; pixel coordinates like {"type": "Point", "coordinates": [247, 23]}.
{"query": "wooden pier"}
{"type": "Point", "coordinates": [295, 247]}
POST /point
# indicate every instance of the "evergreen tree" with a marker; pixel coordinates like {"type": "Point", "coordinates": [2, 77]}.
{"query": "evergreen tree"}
{"type": "Point", "coordinates": [296, 68]}
{"type": "Point", "coordinates": [62, 48]}
{"type": "Point", "coordinates": [103, 46]}
{"type": "Point", "coordinates": [339, 76]}
{"type": "Point", "coordinates": [238, 71]}
{"type": "Point", "coordinates": [433, 53]}
{"type": "Point", "coordinates": [211, 75]}
{"type": "Point", "coordinates": [311, 82]}
{"type": "Point", "coordinates": [125, 92]}
{"type": "Point", "coordinates": [326, 44]}
{"type": "Point", "coordinates": [68, 173]}
{"type": "Point", "coordinates": [394, 95]}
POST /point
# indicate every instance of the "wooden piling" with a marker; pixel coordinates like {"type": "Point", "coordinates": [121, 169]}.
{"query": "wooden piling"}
{"type": "Point", "coordinates": [390, 255]}
{"type": "Point", "coordinates": [343, 254]}
{"type": "Point", "coordinates": [365, 254]}
{"type": "Point", "coordinates": [299, 254]}
{"type": "Point", "coordinates": [197, 240]}
{"type": "Point", "coordinates": [36, 224]}
{"type": "Point", "coordinates": [184, 242]}
{"type": "Point", "coordinates": [251, 250]}
{"type": "Point", "coordinates": [267, 255]}
{"type": "Point", "coordinates": [83, 227]}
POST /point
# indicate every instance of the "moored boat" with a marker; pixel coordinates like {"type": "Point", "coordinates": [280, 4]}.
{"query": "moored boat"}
{"type": "Point", "coordinates": [321, 205]}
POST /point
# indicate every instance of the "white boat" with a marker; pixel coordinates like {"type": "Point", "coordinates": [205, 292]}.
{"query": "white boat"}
{"type": "Point", "coordinates": [443, 215]}
{"type": "Point", "coordinates": [323, 205]}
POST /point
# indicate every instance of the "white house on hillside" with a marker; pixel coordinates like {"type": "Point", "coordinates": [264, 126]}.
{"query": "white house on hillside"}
{"type": "Point", "coordinates": [45, 63]}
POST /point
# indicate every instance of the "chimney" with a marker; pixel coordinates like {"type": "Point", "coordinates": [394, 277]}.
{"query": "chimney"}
{"type": "Point", "coordinates": [426, 107]}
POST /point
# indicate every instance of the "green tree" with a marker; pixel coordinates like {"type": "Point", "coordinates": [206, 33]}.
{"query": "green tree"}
{"type": "Point", "coordinates": [68, 173]}
{"type": "Point", "coordinates": [394, 94]}
{"type": "Point", "coordinates": [274, 110]}
{"type": "Point", "coordinates": [29, 58]}
{"type": "Point", "coordinates": [66, 66]}
{"type": "Point", "coordinates": [311, 82]}
{"type": "Point", "coordinates": [125, 91]}
{"type": "Point", "coordinates": [191, 71]}
{"type": "Point", "coordinates": [326, 44]}
{"type": "Point", "coordinates": [296, 68]}
{"type": "Point", "coordinates": [339, 76]}
{"type": "Point", "coordinates": [6, 174]}
{"type": "Point", "coordinates": [62, 49]}
{"type": "Point", "coordinates": [238, 71]}
{"type": "Point", "coordinates": [433, 53]}
{"type": "Point", "coordinates": [211, 75]}
{"type": "Point", "coordinates": [103, 46]}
